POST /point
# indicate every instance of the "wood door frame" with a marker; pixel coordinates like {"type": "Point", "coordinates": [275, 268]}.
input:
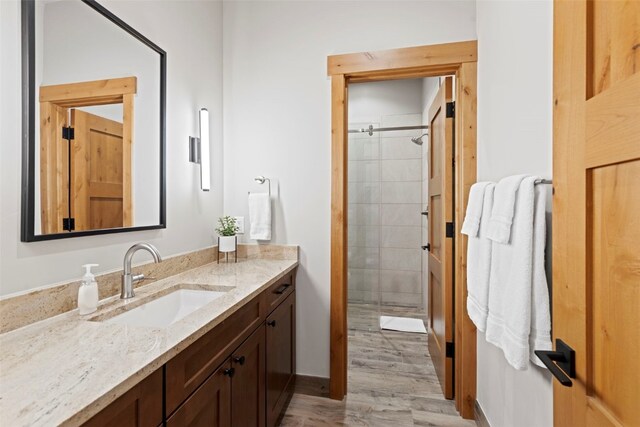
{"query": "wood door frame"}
{"type": "Point", "coordinates": [459, 59]}
{"type": "Point", "coordinates": [71, 95]}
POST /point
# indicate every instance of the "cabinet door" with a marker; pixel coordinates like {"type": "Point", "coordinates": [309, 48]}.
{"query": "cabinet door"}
{"type": "Point", "coordinates": [209, 405]}
{"type": "Point", "coordinates": [281, 357]}
{"type": "Point", "coordinates": [192, 366]}
{"type": "Point", "coordinates": [139, 407]}
{"type": "Point", "coordinates": [247, 385]}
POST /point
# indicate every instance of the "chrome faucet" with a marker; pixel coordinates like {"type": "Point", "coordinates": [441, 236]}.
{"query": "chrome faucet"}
{"type": "Point", "coordinates": [129, 279]}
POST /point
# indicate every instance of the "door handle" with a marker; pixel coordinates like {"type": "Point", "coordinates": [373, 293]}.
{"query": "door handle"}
{"type": "Point", "coordinates": [561, 362]}
{"type": "Point", "coordinates": [271, 323]}
{"type": "Point", "coordinates": [427, 247]}
{"type": "Point", "coordinates": [239, 360]}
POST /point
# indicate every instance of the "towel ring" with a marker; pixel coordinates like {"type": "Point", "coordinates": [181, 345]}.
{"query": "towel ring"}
{"type": "Point", "coordinates": [260, 179]}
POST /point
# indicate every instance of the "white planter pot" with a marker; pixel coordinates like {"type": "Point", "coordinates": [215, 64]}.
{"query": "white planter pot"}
{"type": "Point", "coordinates": [227, 243]}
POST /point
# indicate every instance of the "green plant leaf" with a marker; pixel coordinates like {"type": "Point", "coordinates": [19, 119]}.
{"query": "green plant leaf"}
{"type": "Point", "coordinates": [227, 226]}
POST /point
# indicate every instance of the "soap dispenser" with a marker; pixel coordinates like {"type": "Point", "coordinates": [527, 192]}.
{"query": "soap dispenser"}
{"type": "Point", "coordinates": [88, 291]}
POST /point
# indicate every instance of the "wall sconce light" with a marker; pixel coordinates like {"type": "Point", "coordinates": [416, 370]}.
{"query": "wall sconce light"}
{"type": "Point", "coordinates": [199, 150]}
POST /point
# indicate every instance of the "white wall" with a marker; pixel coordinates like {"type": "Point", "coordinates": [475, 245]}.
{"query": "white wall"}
{"type": "Point", "coordinates": [514, 136]}
{"type": "Point", "coordinates": [370, 101]}
{"type": "Point", "coordinates": [277, 119]}
{"type": "Point", "coordinates": [190, 213]}
{"type": "Point", "coordinates": [430, 86]}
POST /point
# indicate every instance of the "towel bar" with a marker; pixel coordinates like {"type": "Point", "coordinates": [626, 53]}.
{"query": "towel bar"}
{"type": "Point", "coordinates": [542, 181]}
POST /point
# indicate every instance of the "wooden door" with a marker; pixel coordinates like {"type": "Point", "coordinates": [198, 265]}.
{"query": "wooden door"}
{"type": "Point", "coordinates": [596, 226]}
{"type": "Point", "coordinates": [209, 405]}
{"type": "Point", "coordinates": [248, 384]}
{"type": "Point", "coordinates": [139, 407]}
{"type": "Point", "coordinates": [100, 173]}
{"type": "Point", "coordinates": [441, 236]}
{"type": "Point", "coordinates": [281, 357]}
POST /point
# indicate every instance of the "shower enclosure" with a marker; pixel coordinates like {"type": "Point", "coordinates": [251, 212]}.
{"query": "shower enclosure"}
{"type": "Point", "coordinates": [386, 200]}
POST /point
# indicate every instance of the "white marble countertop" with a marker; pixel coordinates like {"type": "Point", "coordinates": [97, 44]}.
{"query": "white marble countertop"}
{"type": "Point", "coordinates": [65, 369]}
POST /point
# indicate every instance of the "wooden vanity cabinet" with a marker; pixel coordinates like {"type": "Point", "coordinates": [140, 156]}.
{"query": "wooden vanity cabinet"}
{"type": "Point", "coordinates": [193, 365]}
{"type": "Point", "coordinates": [139, 407]}
{"type": "Point", "coordinates": [239, 374]}
{"type": "Point", "coordinates": [233, 395]}
{"type": "Point", "coordinates": [248, 381]}
{"type": "Point", "coordinates": [281, 358]}
{"type": "Point", "coordinates": [209, 405]}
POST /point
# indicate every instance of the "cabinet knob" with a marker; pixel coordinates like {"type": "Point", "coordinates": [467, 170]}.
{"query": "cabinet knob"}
{"type": "Point", "coordinates": [229, 372]}
{"type": "Point", "coordinates": [271, 323]}
{"type": "Point", "coordinates": [239, 360]}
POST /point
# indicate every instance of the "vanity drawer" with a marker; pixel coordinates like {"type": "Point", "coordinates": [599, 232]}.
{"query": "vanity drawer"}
{"type": "Point", "coordinates": [190, 368]}
{"type": "Point", "coordinates": [280, 290]}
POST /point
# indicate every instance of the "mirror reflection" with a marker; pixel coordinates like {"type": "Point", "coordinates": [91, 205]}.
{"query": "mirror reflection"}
{"type": "Point", "coordinates": [98, 111]}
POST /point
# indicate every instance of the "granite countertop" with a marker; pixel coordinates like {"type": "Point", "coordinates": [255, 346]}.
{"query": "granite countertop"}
{"type": "Point", "coordinates": [65, 369]}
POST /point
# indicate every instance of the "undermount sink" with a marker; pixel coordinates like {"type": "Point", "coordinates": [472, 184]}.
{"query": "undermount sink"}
{"type": "Point", "coordinates": [163, 311]}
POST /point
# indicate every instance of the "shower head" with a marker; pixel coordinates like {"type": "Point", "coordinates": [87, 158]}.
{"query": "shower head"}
{"type": "Point", "coordinates": [418, 139]}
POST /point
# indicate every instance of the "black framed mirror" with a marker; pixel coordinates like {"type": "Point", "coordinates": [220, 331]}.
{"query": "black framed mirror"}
{"type": "Point", "coordinates": [93, 117]}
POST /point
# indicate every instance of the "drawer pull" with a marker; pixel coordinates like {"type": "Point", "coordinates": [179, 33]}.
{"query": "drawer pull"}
{"type": "Point", "coordinates": [239, 360]}
{"type": "Point", "coordinates": [271, 323]}
{"type": "Point", "coordinates": [229, 372]}
{"type": "Point", "coordinates": [281, 289]}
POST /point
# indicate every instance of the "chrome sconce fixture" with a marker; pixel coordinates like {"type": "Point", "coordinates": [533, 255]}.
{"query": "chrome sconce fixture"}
{"type": "Point", "coordinates": [199, 150]}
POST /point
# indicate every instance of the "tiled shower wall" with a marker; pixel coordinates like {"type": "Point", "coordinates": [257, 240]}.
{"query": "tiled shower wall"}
{"type": "Point", "coordinates": [385, 229]}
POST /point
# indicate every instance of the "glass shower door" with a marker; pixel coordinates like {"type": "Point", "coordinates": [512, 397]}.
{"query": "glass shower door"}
{"type": "Point", "coordinates": [363, 262]}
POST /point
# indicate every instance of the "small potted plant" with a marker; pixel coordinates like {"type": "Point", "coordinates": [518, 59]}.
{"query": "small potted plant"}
{"type": "Point", "coordinates": [227, 229]}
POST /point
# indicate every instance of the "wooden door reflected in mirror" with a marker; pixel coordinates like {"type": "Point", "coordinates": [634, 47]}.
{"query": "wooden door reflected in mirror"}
{"type": "Point", "coordinates": [100, 185]}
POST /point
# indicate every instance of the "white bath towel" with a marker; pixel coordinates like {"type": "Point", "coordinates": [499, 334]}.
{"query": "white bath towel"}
{"type": "Point", "coordinates": [540, 334]}
{"type": "Point", "coordinates": [260, 216]}
{"type": "Point", "coordinates": [472, 217]}
{"type": "Point", "coordinates": [504, 200]}
{"type": "Point", "coordinates": [510, 283]}
{"type": "Point", "coordinates": [479, 253]}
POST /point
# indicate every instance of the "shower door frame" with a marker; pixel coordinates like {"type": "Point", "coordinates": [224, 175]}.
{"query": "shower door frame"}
{"type": "Point", "coordinates": [459, 59]}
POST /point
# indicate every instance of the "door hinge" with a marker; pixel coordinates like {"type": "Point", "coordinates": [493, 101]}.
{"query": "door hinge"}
{"type": "Point", "coordinates": [68, 133]}
{"type": "Point", "coordinates": [449, 229]}
{"type": "Point", "coordinates": [68, 224]}
{"type": "Point", "coordinates": [451, 109]}
{"type": "Point", "coordinates": [450, 349]}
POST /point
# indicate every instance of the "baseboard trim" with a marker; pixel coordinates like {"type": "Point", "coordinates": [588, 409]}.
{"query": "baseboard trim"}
{"type": "Point", "coordinates": [312, 386]}
{"type": "Point", "coordinates": [480, 418]}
